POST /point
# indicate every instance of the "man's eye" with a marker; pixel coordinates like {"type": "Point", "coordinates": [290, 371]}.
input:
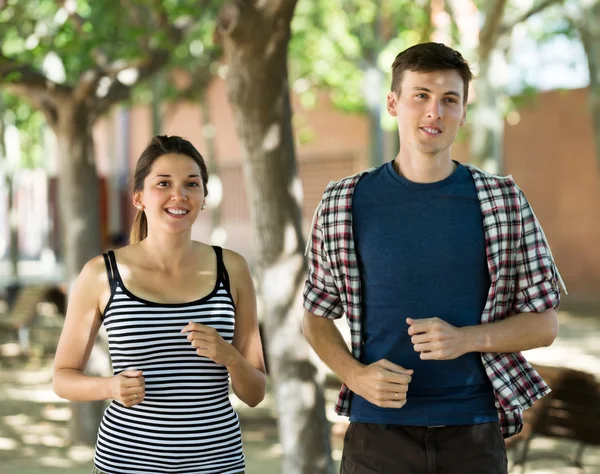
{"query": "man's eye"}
{"type": "Point", "coordinates": [421, 96]}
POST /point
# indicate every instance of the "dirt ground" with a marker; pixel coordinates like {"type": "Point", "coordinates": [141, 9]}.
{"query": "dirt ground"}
{"type": "Point", "coordinates": [33, 420]}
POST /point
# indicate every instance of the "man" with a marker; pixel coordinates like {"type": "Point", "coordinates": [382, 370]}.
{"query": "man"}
{"type": "Point", "coordinates": [445, 276]}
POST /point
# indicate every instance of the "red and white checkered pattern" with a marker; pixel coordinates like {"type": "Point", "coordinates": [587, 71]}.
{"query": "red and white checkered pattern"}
{"type": "Point", "coordinates": [523, 277]}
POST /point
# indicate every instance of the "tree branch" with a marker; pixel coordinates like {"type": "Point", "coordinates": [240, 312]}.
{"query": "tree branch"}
{"type": "Point", "coordinates": [75, 18]}
{"type": "Point", "coordinates": [490, 30]}
{"type": "Point", "coordinates": [534, 10]}
{"type": "Point", "coordinates": [154, 60]}
{"type": "Point", "coordinates": [16, 73]}
{"type": "Point", "coordinates": [118, 91]}
{"type": "Point", "coordinates": [427, 30]}
{"type": "Point", "coordinates": [254, 13]}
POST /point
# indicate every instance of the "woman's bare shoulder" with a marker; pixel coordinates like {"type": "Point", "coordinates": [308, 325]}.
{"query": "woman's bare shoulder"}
{"type": "Point", "coordinates": [93, 278]}
{"type": "Point", "coordinates": [235, 262]}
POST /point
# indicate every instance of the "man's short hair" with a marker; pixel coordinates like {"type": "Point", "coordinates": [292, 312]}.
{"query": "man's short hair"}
{"type": "Point", "coordinates": [429, 57]}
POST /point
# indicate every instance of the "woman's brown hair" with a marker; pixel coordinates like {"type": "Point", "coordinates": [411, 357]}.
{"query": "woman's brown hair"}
{"type": "Point", "coordinates": [160, 145]}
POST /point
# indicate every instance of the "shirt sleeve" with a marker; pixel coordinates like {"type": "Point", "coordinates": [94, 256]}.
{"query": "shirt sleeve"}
{"type": "Point", "coordinates": [537, 281]}
{"type": "Point", "coordinates": [321, 295]}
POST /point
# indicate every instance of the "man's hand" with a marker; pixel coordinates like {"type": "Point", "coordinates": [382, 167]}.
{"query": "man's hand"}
{"type": "Point", "coordinates": [436, 339]}
{"type": "Point", "coordinates": [381, 383]}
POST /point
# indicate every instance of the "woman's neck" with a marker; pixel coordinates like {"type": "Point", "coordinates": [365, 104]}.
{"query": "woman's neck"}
{"type": "Point", "coordinates": [168, 252]}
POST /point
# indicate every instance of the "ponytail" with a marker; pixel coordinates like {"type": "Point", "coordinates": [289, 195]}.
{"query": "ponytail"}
{"type": "Point", "coordinates": [139, 228]}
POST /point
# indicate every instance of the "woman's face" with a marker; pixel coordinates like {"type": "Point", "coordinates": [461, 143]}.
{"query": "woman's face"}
{"type": "Point", "coordinates": [173, 194]}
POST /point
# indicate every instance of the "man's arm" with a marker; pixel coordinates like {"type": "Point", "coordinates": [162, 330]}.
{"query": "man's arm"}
{"type": "Point", "coordinates": [382, 383]}
{"type": "Point", "coordinates": [437, 340]}
{"type": "Point", "coordinates": [532, 322]}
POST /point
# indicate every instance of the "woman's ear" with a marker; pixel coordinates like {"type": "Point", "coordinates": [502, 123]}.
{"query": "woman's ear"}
{"type": "Point", "coordinates": [137, 201]}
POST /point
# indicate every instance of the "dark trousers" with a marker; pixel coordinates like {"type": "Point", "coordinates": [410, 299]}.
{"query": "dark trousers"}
{"type": "Point", "coordinates": [389, 449]}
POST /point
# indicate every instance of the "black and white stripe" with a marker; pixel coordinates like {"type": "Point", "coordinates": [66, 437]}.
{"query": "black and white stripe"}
{"type": "Point", "coordinates": [185, 423]}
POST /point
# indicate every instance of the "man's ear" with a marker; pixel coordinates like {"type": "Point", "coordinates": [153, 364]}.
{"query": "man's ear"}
{"type": "Point", "coordinates": [463, 120]}
{"type": "Point", "coordinates": [392, 103]}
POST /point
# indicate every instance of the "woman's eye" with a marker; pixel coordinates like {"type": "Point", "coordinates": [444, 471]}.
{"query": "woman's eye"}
{"type": "Point", "coordinates": [193, 184]}
{"type": "Point", "coordinates": [162, 183]}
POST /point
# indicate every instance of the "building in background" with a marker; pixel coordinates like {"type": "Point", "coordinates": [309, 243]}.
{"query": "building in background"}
{"type": "Point", "coordinates": [549, 149]}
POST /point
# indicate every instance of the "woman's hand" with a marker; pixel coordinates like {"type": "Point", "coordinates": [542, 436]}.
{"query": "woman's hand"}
{"type": "Point", "coordinates": [208, 343]}
{"type": "Point", "coordinates": [128, 387]}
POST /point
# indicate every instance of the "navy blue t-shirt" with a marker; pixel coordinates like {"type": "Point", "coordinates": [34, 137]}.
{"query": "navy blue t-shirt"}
{"type": "Point", "coordinates": [421, 250]}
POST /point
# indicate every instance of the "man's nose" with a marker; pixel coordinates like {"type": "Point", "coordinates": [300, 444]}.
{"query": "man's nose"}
{"type": "Point", "coordinates": [435, 110]}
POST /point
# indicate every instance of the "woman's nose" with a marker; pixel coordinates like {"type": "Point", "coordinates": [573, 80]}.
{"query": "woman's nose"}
{"type": "Point", "coordinates": [179, 192]}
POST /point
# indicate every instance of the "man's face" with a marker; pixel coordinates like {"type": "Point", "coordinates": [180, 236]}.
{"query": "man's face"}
{"type": "Point", "coordinates": [429, 110]}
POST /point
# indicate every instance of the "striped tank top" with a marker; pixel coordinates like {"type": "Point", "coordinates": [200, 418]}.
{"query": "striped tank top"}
{"type": "Point", "coordinates": [185, 424]}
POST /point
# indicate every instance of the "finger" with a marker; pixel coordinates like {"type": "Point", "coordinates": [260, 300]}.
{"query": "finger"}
{"type": "Point", "coordinates": [398, 379]}
{"type": "Point", "coordinates": [129, 391]}
{"type": "Point", "coordinates": [391, 403]}
{"type": "Point", "coordinates": [135, 398]}
{"type": "Point", "coordinates": [131, 373]}
{"type": "Point", "coordinates": [388, 388]}
{"type": "Point", "coordinates": [203, 343]}
{"type": "Point", "coordinates": [425, 347]}
{"type": "Point", "coordinates": [418, 326]}
{"type": "Point", "coordinates": [433, 355]}
{"type": "Point", "coordinates": [204, 336]}
{"type": "Point", "coordinates": [192, 326]}
{"type": "Point", "coordinates": [421, 338]}
{"type": "Point", "coordinates": [203, 351]}
{"type": "Point", "coordinates": [132, 382]}
{"type": "Point", "coordinates": [386, 364]}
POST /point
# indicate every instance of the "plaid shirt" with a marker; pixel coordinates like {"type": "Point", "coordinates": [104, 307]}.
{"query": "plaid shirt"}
{"type": "Point", "coordinates": [523, 278]}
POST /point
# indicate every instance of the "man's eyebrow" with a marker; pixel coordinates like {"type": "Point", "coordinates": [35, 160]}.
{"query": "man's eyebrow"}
{"type": "Point", "coordinates": [424, 89]}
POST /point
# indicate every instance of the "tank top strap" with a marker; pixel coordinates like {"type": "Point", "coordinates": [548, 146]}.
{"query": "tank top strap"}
{"type": "Point", "coordinates": [222, 274]}
{"type": "Point", "coordinates": [115, 268]}
{"type": "Point", "coordinates": [110, 271]}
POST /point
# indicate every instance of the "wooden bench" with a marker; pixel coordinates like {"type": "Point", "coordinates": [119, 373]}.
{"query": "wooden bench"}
{"type": "Point", "coordinates": [571, 411]}
{"type": "Point", "coordinates": [18, 318]}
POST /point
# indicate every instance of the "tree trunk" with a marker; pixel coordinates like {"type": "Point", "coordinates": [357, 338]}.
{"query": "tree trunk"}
{"type": "Point", "coordinates": [209, 133]}
{"type": "Point", "coordinates": [255, 36]}
{"type": "Point", "coordinates": [78, 193]}
{"type": "Point", "coordinates": [13, 239]}
{"type": "Point", "coordinates": [589, 31]}
{"type": "Point", "coordinates": [81, 239]}
{"type": "Point", "coordinates": [487, 137]}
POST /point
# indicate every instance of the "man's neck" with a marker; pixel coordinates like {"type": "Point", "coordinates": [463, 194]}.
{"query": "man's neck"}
{"type": "Point", "coordinates": [424, 169]}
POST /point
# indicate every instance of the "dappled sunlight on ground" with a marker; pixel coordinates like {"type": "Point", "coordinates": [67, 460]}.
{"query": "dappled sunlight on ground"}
{"type": "Point", "coordinates": [577, 345]}
{"type": "Point", "coordinates": [33, 420]}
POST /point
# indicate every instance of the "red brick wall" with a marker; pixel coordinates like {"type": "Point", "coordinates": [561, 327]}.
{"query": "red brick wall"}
{"type": "Point", "coordinates": [550, 153]}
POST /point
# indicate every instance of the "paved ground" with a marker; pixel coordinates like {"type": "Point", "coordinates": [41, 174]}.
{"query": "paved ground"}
{"type": "Point", "coordinates": [33, 419]}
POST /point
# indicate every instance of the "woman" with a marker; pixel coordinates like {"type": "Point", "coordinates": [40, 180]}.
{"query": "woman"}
{"type": "Point", "coordinates": [181, 319]}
